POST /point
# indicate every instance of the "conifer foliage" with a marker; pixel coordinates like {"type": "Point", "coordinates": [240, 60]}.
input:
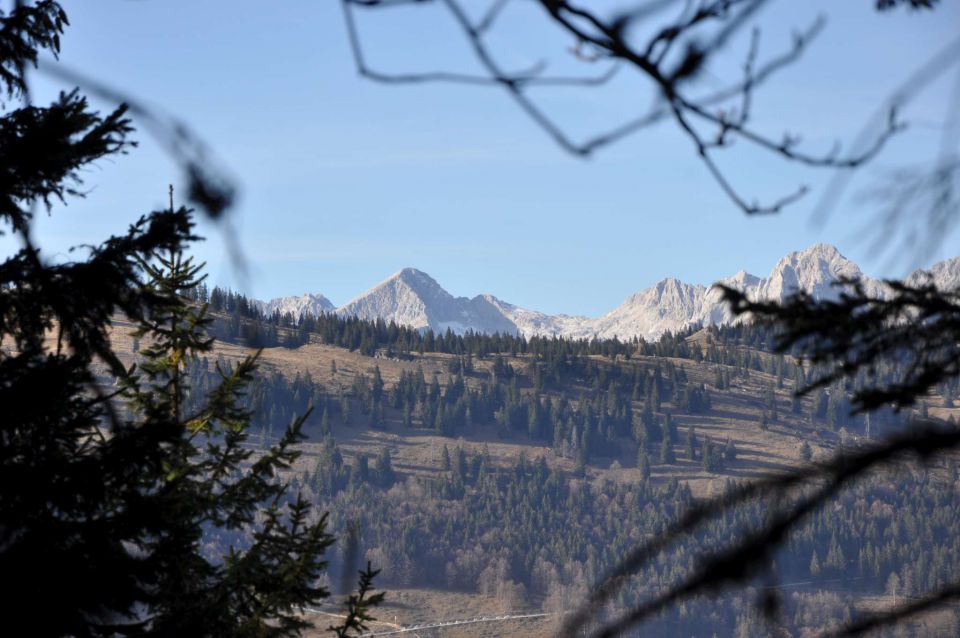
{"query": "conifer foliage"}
{"type": "Point", "coordinates": [213, 486]}
{"type": "Point", "coordinates": [119, 488]}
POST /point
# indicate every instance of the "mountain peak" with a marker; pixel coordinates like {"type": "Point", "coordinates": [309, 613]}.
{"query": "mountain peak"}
{"type": "Point", "coordinates": [821, 257]}
{"type": "Point", "coordinates": [813, 269]}
{"type": "Point", "coordinates": [413, 298]}
{"type": "Point", "coordinates": [416, 279]}
{"type": "Point", "coordinates": [419, 283]}
{"type": "Point", "coordinates": [308, 303]}
{"type": "Point", "coordinates": [409, 271]}
{"type": "Point", "coordinates": [945, 275]}
{"type": "Point", "coordinates": [742, 280]}
{"type": "Point", "coordinates": [820, 250]}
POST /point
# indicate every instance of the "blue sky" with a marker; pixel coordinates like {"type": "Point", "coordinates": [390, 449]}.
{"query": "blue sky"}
{"type": "Point", "coordinates": [345, 181]}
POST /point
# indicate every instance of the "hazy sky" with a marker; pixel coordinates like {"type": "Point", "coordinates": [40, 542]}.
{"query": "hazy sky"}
{"type": "Point", "coordinates": [345, 181]}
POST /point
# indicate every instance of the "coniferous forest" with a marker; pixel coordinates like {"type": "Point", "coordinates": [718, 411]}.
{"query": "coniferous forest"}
{"type": "Point", "coordinates": [542, 529]}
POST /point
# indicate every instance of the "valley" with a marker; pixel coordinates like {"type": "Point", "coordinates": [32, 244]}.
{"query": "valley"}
{"type": "Point", "coordinates": [462, 441]}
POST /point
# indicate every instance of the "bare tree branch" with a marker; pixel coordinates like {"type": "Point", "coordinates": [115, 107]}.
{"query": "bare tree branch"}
{"type": "Point", "coordinates": [916, 325]}
{"type": "Point", "coordinates": [750, 556]}
{"type": "Point", "coordinates": [670, 59]}
{"type": "Point", "coordinates": [910, 195]}
{"type": "Point", "coordinates": [943, 595]}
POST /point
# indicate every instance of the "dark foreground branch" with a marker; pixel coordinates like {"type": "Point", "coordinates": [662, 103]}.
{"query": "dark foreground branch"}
{"type": "Point", "coordinates": [750, 556]}
{"type": "Point", "coordinates": [856, 334]}
{"type": "Point", "coordinates": [672, 55]}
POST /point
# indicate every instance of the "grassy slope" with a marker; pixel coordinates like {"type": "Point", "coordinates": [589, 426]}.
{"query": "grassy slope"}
{"type": "Point", "coordinates": [735, 414]}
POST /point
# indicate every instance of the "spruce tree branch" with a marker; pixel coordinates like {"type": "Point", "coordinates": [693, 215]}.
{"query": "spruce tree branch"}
{"type": "Point", "coordinates": [208, 186]}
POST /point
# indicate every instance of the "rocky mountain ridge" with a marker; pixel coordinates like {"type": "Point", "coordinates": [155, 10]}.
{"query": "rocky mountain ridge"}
{"type": "Point", "coordinates": [307, 303]}
{"type": "Point", "coordinates": [411, 297]}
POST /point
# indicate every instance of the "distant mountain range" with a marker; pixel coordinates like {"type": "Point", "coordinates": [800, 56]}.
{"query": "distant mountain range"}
{"type": "Point", "coordinates": [413, 298]}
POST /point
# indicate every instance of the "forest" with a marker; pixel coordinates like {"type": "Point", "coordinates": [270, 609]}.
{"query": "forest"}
{"type": "Point", "coordinates": [532, 531]}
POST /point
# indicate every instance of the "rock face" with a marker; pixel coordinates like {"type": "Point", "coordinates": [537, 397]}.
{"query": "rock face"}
{"type": "Point", "coordinates": [945, 275]}
{"type": "Point", "coordinates": [812, 270]}
{"type": "Point", "coordinates": [534, 322]}
{"type": "Point", "coordinates": [651, 312]}
{"type": "Point", "coordinates": [306, 304]}
{"type": "Point", "coordinates": [412, 298]}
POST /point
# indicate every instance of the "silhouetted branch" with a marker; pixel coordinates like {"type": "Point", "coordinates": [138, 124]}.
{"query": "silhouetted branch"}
{"type": "Point", "coordinates": [911, 195]}
{"type": "Point", "coordinates": [529, 77]}
{"type": "Point", "coordinates": [359, 605]}
{"type": "Point", "coordinates": [919, 204]}
{"type": "Point", "coordinates": [884, 5]}
{"type": "Point", "coordinates": [915, 324]}
{"type": "Point", "coordinates": [207, 186]}
{"type": "Point", "coordinates": [750, 556]}
{"type": "Point", "coordinates": [943, 595]}
{"type": "Point", "coordinates": [674, 55]}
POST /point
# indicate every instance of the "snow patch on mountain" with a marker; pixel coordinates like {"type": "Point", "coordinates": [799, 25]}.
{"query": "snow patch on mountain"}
{"type": "Point", "coordinates": [814, 270]}
{"type": "Point", "coordinates": [306, 304]}
{"type": "Point", "coordinates": [945, 275]}
{"type": "Point", "coordinates": [533, 322]}
{"type": "Point", "coordinates": [413, 298]}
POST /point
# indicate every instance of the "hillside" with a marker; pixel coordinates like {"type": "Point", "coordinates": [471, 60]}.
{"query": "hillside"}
{"type": "Point", "coordinates": [735, 413]}
{"type": "Point", "coordinates": [493, 475]}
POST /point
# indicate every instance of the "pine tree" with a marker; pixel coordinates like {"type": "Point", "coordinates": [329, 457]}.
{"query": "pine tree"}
{"type": "Point", "coordinates": [670, 429]}
{"type": "Point", "coordinates": [376, 415]}
{"type": "Point", "coordinates": [376, 388]}
{"type": "Point", "coordinates": [445, 458]}
{"type": "Point", "coordinates": [111, 498]}
{"type": "Point", "coordinates": [643, 464]}
{"type": "Point", "coordinates": [383, 468]}
{"type": "Point", "coordinates": [706, 454]}
{"type": "Point", "coordinates": [691, 446]}
{"type": "Point", "coordinates": [729, 452]}
{"type": "Point", "coordinates": [361, 470]}
{"type": "Point", "coordinates": [73, 502]}
{"type": "Point", "coordinates": [666, 452]}
{"type": "Point", "coordinates": [325, 422]}
{"type": "Point", "coordinates": [460, 465]}
{"type": "Point", "coordinates": [344, 408]}
{"type": "Point", "coordinates": [196, 593]}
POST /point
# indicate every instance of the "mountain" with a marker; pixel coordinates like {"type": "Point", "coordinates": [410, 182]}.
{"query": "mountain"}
{"type": "Point", "coordinates": [533, 322]}
{"type": "Point", "coordinates": [812, 270]}
{"type": "Point", "coordinates": [649, 313]}
{"type": "Point", "coordinates": [413, 298]}
{"type": "Point", "coordinates": [673, 305]}
{"type": "Point", "coordinates": [307, 303]}
{"type": "Point", "coordinates": [944, 274]}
